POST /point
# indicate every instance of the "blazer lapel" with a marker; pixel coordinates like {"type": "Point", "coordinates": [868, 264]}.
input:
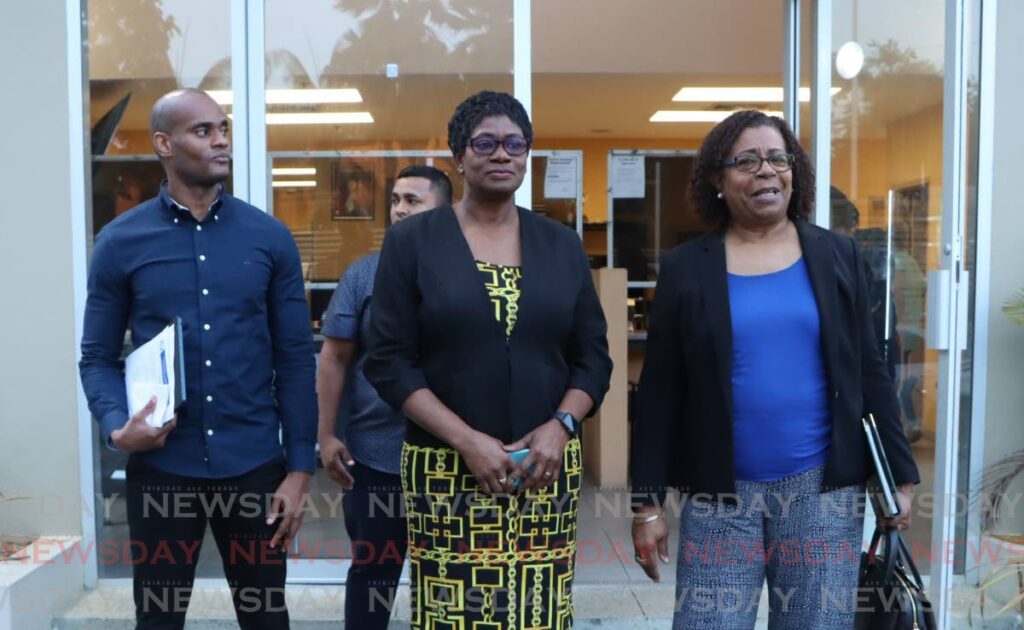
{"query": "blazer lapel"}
{"type": "Point", "coordinates": [531, 258]}
{"type": "Point", "coordinates": [461, 269]}
{"type": "Point", "coordinates": [821, 268]}
{"type": "Point", "coordinates": [715, 288]}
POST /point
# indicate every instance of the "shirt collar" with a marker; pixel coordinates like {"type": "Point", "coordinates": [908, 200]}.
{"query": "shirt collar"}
{"type": "Point", "coordinates": [177, 208]}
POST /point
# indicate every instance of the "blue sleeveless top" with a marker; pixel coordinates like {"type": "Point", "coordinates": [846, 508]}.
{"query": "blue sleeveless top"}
{"type": "Point", "coordinates": [781, 420]}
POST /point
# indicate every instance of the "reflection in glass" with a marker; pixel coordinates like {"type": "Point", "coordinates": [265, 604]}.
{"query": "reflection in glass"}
{"type": "Point", "coordinates": [887, 189]}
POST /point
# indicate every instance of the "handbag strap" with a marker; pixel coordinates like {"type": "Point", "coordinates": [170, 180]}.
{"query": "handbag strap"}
{"type": "Point", "coordinates": [891, 550]}
{"type": "Point", "coordinates": [908, 562]}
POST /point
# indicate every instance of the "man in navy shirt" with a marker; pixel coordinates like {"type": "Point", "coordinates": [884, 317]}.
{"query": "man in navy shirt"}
{"type": "Point", "coordinates": [364, 455]}
{"type": "Point", "coordinates": [239, 453]}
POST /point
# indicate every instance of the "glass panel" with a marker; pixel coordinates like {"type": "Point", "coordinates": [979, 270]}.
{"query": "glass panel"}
{"type": "Point", "coordinates": [337, 207]}
{"type": "Point", "coordinates": [664, 217]}
{"type": "Point", "coordinates": [973, 69]}
{"type": "Point", "coordinates": [555, 191]}
{"type": "Point", "coordinates": [596, 96]}
{"type": "Point", "coordinates": [139, 50]}
{"type": "Point", "coordinates": [356, 91]}
{"type": "Point", "coordinates": [887, 161]}
{"type": "Point", "coordinates": [806, 43]}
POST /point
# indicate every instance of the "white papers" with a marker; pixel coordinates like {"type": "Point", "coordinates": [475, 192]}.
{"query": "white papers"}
{"type": "Point", "coordinates": [627, 177]}
{"type": "Point", "coordinates": [560, 177]}
{"type": "Point", "coordinates": [150, 371]}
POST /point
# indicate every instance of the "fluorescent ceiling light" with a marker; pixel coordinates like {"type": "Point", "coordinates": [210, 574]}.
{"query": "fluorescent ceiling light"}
{"type": "Point", "coordinates": [318, 118]}
{"type": "Point", "coordinates": [739, 94]}
{"type": "Point", "coordinates": [297, 97]}
{"type": "Point", "coordinates": [293, 171]}
{"type": "Point", "coordinates": [696, 116]}
{"type": "Point", "coordinates": [295, 183]}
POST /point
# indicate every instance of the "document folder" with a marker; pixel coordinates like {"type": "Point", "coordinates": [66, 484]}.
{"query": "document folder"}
{"type": "Point", "coordinates": [883, 495]}
{"type": "Point", "coordinates": [157, 368]}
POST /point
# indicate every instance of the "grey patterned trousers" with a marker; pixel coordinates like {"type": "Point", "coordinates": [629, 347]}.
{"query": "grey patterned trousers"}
{"type": "Point", "coordinates": [805, 543]}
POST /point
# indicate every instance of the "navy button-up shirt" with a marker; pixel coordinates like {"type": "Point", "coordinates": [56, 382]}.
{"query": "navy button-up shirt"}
{"type": "Point", "coordinates": [235, 279]}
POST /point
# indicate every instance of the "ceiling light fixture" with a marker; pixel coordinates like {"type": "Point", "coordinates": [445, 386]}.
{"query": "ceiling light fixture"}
{"type": "Point", "coordinates": [295, 183]}
{"type": "Point", "coordinates": [739, 94]}
{"type": "Point", "coordinates": [696, 116]}
{"type": "Point", "coordinates": [297, 97]}
{"type": "Point", "coordinates": [293, 171]}
{"type": "Point", "coordinates": [319, 118]}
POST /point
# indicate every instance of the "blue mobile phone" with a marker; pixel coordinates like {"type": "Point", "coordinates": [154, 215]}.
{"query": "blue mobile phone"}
{"type": "Point", "coordinates": [518, 457]}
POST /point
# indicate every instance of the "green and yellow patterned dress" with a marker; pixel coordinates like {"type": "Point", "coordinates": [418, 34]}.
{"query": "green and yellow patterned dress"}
{"type": "Point", "coordinates": [483, 562]}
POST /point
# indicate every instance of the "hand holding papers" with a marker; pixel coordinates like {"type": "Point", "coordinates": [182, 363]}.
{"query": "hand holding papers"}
{"type": "Point", "coordinates": [157, 369]}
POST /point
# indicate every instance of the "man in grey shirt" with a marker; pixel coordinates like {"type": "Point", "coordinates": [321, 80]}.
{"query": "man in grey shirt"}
{"type": "Point", "coordinates": [364, 454]}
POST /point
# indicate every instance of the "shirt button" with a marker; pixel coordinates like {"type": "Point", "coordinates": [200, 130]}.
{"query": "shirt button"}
{"type": "Point", "coordinates": [199, 228]}
{"type": "Point", "coordinates": [206, 292]}
{"type": "Point", "coordinates": [206, 327]}
{"type": "Point", "coordinates": [209, 363]}
{"type": "Point", "coordinates": [216, 217]}
{"type": "Point", "coordinates": [175, 219]}
{"type": "Point", "coordinates": [209, 432]}
{"type": "Point", "coordinates": [209, 399]}
{"type": "Point", "coordinates": [202, 257]}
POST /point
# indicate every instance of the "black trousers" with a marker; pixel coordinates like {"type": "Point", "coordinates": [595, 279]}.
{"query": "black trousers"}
{"type": "Point", "coordinates": [375, 521]}
{"type": "Point", "coordinates": [167, 518]}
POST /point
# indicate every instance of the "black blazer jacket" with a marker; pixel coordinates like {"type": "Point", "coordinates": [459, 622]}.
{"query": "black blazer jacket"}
{"type": "Point", "coordinates": [433, 325]}
{"type": "Point", "coordinates": [682, 436]}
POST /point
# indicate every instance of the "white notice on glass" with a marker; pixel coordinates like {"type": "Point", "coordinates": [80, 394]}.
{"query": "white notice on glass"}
{"type": "Point", "coordinates": [627, 177]}
{"type": "Point", "coordinates": [560, 177]}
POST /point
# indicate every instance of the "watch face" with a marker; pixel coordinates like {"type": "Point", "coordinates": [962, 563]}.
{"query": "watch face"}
{"type": "Point", "coordinates": [568, 421]}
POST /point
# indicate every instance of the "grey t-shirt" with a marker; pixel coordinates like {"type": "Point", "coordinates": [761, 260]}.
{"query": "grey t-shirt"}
{"type": "Point", "coordinates": [372, 430]}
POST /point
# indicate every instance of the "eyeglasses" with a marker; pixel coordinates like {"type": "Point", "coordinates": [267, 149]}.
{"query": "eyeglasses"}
{"type": "Point", "coordinates": [487, 145]}
{"type": "Point", "coordinates": [750, 163]}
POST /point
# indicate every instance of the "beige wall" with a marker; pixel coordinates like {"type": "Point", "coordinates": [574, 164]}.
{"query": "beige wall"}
{"type": "Point", "coordinates": [1004, 411]}
{"type": "Point", "coordinates": [38, 374]}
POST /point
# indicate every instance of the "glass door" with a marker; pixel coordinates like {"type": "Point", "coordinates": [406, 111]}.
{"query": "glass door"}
{"type": "Point", "coordinates": [902, 163]}
{"type": "Point", "coordinates": [138, 51]}
{"type": "Point", "coordinates": [355, 91]}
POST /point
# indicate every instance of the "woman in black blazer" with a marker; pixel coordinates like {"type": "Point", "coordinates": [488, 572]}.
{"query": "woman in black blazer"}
{"type": "Point", "coordinates": [488, 334]}
{"type": "Point", "coordinates": [761, 361]}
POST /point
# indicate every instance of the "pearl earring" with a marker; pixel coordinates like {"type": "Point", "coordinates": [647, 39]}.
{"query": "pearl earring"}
{"type": "Point", "coordinates": [720, 195]}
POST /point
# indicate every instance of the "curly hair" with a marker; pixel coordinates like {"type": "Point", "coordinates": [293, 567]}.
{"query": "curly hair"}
{"type": "Point", "coordinates": [472, 111]}
{"type": "Point", "coordinates": [715, 149]}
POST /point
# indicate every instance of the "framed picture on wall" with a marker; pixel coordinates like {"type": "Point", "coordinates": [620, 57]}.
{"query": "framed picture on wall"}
{"type": "Point", "coordinates": [352, 194]}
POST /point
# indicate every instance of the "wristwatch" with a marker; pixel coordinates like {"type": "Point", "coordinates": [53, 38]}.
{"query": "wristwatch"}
{"type": "Point", "coordinates": [569, 422]}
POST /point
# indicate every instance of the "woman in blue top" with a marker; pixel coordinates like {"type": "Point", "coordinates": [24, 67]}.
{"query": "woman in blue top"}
{"type": "Point", "coordinates": [761, 360]}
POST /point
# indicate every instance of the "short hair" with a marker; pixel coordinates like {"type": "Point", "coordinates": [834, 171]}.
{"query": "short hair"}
{"type": "Point", "coordinates": [439, 182]}
{"type": "Point", "coordinates": [715, 149]}
{"type": "Point", "coordinates": [472, 111]}
{"type": "Point", "coordinates": [843, 214]}
{"type": "Point", "coordinates": [161, 118]}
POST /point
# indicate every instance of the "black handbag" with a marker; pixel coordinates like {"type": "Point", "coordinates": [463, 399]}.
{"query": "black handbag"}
{"type": "Point", "coordinates": [890, 593]}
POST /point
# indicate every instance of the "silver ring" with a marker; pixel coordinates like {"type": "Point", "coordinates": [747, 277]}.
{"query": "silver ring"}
{"type": "Point", "coordinates": [547, 473]}
{"type": "Point", "coordinates": [502, 480]}
{"type": "Point", "coordinates": [639, 559]}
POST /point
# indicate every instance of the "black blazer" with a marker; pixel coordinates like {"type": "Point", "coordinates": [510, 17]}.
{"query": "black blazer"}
{"type": "Point", "coordinates": [433, 326]}
{"type": "Point", "coordinates": [682, 436]}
